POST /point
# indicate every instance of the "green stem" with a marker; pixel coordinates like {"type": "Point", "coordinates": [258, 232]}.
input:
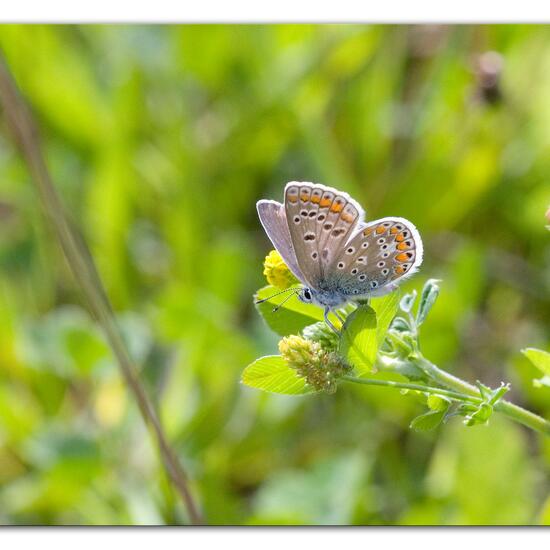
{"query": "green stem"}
{"type": "Point", "coordinates": [453, 387]}
{"type": "Point", "coordinates": [519, 414]}
{"type": "Point", "coordinates": [523, 416]}
{"type": "Point", "coordinates": [444, 378]}
{"type": "Point", "coordinates": [457, 396]}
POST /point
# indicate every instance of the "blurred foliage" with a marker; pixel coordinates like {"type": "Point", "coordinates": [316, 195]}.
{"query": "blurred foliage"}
{"type": "Point", "coordinates": [160, 140]}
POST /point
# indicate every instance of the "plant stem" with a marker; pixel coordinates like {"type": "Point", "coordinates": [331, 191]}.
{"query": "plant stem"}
{"type": "Point", "coordinates": [454, 388]}
{"type": "Point", "coordinates": [519, 414]}
{"type": "Point", "coordinates": [457, 396]}
{"type": "Point", "coordinates": [25, 132]}
{"type": "Point", "coordinates": [523, 416]}
{"type": "Point", "coordinates": [444, 378]}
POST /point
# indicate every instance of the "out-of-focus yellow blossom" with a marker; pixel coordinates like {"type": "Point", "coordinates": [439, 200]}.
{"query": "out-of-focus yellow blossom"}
{"type": "Point", "coordinates": [277, 273]}
{"type": "Point", "coordinates": [110, 402]}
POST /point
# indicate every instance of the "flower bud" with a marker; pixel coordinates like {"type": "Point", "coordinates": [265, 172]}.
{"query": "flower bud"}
{"type": "Point", "coordinates": [320, 368]}
{"type": "Point", "coordinates": [297, 351]}
{"type": "Point", "coordinates": [322, 334]}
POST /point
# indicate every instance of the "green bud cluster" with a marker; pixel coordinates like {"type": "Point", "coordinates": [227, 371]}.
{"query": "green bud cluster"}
{"type": "Point", "coordinates": [323, 335]}
{"type": "Point", "coordinates": [320, 368]}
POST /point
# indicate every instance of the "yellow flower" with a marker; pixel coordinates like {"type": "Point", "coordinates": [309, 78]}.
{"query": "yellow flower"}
{"type": "Point", "coordinates": [277, 273]}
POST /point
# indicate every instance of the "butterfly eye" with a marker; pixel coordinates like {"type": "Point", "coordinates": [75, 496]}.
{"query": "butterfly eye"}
{"type": "Point", "coordinates": [307, 294]}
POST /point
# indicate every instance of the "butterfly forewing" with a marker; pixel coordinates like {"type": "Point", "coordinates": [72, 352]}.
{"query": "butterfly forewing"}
{"type": "Point", "coordinates": [342, 215]}
{"type": "Point", "coordinates": [273, 218]}
{"type": "Point", "coordinates": [379, 254]}
{"type": "Point", "coordinates": [320, 220]}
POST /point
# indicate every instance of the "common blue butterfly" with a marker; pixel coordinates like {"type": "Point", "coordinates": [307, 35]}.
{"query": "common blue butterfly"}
{"type": "Point", "coordinates": [321, 235]}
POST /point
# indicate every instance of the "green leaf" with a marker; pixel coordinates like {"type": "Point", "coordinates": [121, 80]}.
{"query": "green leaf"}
{"type": "Point", "coordinates": [430, 292]}
{"type": "Point", "coordinates": [385, 308]}
{"type": "Point", "coordinates": [400, 325]}
{"type": "Point", "coordinates": [399, 342]}
{"type": "Point", "coordinates": [480, 416]}
{"type": "Point", "coordinates": [365, 330]}
{"type": "Point", "coordinates": [437, 403]}
{"type": "Point", "coordinates": [291, 317]}
{"type": "Point", "coordinates": [427, 421]}
{"type": "Point", "coordinates": [539, 358]}
{"type": "Point", "coordinates": [272, 374]}
{"type": "Point", "coordinates": [358, 342]}
{"type": "Point", "coordinates": [407, 302]}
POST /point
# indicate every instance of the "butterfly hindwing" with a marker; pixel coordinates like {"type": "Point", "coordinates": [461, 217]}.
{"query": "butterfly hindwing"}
{"type": "Point", "coordinates": [380, 254]}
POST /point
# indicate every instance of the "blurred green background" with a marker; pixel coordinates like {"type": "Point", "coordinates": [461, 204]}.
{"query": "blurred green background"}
{"type": "Point", "coordinates": [160, 140]}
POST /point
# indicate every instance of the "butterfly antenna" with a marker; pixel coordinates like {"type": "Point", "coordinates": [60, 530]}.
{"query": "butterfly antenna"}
{"type": "Point", "coordinates": [273, 295]}
{"type": "Point", "coordinates": [276, 308]}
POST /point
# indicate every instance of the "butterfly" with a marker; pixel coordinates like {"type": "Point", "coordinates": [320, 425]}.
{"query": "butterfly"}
{"type": "Point", "coordinates": [339, 258]}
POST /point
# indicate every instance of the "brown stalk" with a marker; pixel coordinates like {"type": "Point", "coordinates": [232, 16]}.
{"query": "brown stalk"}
{"type": "Point", "coordinates": [25, 133]}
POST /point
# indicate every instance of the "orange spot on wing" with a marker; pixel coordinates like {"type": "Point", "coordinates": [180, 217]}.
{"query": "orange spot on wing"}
{"type": "Point", "coordinates": [400, 270]}
{"type": "Point", "coordinates": [336, 207]}
{"type": "Point", "coordinates": [292, 198]}
{"type": "Point", "coordinates": [367, 232]}
{"type": "Point", "coordinates": [347, 217]}
{"type": "Point", "coordinates": [304, 197]}
{"type": "Point", "coordinates": [380, 229]}
{"type": "Point", "coordinates": [316, 199]}
{"type": "Point", "coordinates": [325, 202]}
{"type": "Point", "coordinates": [403, 246]}
{"type": "Point", "coordinates": [400, 237]}
{"type": "Point", "coordinates": [403, 257]}
{"type": "Point", "coordinates": [394, 230]}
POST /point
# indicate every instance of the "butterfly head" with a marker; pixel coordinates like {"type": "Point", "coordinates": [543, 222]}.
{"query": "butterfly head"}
{"type": "Point", "coordinates": [323, 297]}
{"type": "Point", "coordinates": [305, 295]}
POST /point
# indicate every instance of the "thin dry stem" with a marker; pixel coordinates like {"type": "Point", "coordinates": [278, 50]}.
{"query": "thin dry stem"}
{"type": "Point", "coordinates": [24, 130]}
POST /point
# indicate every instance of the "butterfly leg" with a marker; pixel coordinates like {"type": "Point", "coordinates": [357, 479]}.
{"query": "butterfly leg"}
{"type": "Point", "coordinates": [327, 321]}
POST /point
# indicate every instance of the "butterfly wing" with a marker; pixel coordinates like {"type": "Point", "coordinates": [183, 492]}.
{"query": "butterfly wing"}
{"type": "Point", "coordinates": [380, 255]}
{"type": "Point", "coordinates": [320, 220]}
{"type": "Point", "coordinates": [273, 218]}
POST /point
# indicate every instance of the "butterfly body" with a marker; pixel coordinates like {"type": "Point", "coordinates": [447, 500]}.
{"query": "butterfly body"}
{"type": "Point", "coordinates": [321, 235]}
